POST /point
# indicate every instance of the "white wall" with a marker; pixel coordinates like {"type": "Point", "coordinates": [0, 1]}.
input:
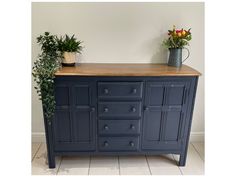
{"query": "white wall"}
{"type": "Point", "coordinates": [122, 33]}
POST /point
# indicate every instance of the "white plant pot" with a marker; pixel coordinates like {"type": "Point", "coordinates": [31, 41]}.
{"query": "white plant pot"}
{"type": "Point", "coordinates": [69, 58]}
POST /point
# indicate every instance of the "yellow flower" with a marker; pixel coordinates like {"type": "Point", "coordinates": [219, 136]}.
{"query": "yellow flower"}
{"type": "Point", "coordinates": [174, 33]}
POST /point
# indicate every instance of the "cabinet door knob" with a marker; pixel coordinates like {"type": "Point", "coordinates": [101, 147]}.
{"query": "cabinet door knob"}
{"type": "Point", "coordinates": [92, 109]}
{"type": "Point", "coordinates": [106, 127]}
{"type": "Point", "coordinates": [105, 109]}
{"type": "Point", "coordinates": [132, 127]}
{"type": "Point", "coordinates": [105, 143]}
{"type": "Point", "coordinates": [131, 143]}
{"type": "Point", "coordinates": [106, 91]}
{"type": "Point", "coordinates": [133, 109]}
{"type": "Point", "coordinates": [146, 108]}
{"type": "Point", "coordinates": [134, 90]}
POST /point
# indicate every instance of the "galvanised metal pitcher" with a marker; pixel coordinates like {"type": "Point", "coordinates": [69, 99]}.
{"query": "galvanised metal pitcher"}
{"type": "Point", "coordinates": [175, 57]}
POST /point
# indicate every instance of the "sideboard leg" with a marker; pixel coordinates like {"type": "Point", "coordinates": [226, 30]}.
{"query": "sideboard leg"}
{"type": "Point", "coordinates": [182, 159]}
{"type": "Point", "coordinates": [50, 152]}
{"type": "Point", "coordinates": [49, 142]}
{"type": "Point", "coordinates": [51, 161]}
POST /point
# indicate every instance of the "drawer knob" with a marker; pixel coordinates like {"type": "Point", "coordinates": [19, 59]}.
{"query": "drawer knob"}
{"type": "Point", "coordinates": [92, 109]}
{"type": "Point", "coordinates": [146, 108]}
{"type": "Point", "coordinates": [134, 90]}
{"type": "Point", "coordinates": [105, 109]}
{"type": "Point", "coordinates": [133, 109]}
{"type": "Point", "coordinates": [106, 127]}
{"type": "Point", "coordinates": [132, 127]}
{"type": "Point", "coordinates": [106, 91]}
{"type": "Point", "coordinates": [105, 143]}
{"type": "Point", "coordinates": [131, 143]}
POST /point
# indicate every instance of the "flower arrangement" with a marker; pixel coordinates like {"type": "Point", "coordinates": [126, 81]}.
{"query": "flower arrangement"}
{"type": "Point", "coordinates": [177, 38]}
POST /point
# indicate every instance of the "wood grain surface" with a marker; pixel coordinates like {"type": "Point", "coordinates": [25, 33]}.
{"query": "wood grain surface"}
{"type": "Point", "coordinates": [126, 69]}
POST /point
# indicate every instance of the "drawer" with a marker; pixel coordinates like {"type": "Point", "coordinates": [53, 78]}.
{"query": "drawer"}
{"type": "Point", "coordinates": [119, 109]}
{"type": "Point", "coordinates": [118, 127]}
{"type": "Point", "coordinates": [120, 90]}
{"type": "Point", "coordinates": [118, 143]}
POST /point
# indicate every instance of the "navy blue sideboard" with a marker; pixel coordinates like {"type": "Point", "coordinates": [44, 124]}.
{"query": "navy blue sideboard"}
{"type": "Point", "coordinates": [122, 109]}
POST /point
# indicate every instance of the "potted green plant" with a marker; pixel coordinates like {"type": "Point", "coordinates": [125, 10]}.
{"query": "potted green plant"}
{"type": "Point", "coordinates": [43, 72]}
{"type": "Point", "coordinates": [177, 41]}
{"type": "Point", "coordinates": [69, 46]}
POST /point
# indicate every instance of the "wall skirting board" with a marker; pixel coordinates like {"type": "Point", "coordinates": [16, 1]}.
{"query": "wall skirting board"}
{"type": "Point", "coordinates": [194, 137]}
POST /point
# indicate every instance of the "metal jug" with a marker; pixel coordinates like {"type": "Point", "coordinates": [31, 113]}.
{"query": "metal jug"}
{"type": "Point", "coordinates": [175, 57]}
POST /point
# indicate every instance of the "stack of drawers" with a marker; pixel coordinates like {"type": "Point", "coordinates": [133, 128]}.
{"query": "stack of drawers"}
{"type": "Point", "coordinates": [119, 114]}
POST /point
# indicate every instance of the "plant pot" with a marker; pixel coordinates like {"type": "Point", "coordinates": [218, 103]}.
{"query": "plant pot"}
{"type": "Point", "coordinates": [175, 57]}
{"type": "Point", "coordinates": [69, 58]}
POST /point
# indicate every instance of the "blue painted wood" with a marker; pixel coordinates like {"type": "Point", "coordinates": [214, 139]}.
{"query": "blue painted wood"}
{"type": "Point", "coordinates": [97, 153]}
{"type": "Point", "coordinates": [164, 116]}
{"type": "Point", "coordinates": [74, 120]}
{"type": "Point", "coordinates": [121, 116]}
{"type": "Point", "coordinates": [119, 109]}
{"type": "Point", "coordinates": [189, 116]}
{"type": "Point", "coordinates": [119, 127]}
{"type": "Point", "coordinates": [118, 143]}
{"type": "Point", "coordinates": [49, 142]}
{"type": "Point", "coordinates": [120, 90]}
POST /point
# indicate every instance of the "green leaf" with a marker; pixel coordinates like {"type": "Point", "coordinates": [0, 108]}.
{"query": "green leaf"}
{"type": "Point", "coordinates": [43, 71]}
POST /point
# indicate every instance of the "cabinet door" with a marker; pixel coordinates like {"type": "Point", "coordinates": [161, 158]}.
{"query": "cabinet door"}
{"type": "Point", "coordinates": [165, 106]}
{"type": "Point", "coordinates": [74, 122]}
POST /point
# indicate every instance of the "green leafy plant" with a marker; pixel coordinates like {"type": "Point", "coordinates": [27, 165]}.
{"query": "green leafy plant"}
{"type": "Point", "coordinates": [69, 44]}
{"type": "Point", "coordinates": [43, 72]}
{"type": "Point", "coordinates": [177, 38]}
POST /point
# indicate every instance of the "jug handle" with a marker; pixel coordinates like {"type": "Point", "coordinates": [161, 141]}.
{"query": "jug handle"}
{"type": "Point", "coordinates": [187, 56]}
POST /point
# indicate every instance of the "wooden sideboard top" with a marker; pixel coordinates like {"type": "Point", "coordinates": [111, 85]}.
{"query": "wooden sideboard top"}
{"type": "Point", "coordinates": [126, 69]}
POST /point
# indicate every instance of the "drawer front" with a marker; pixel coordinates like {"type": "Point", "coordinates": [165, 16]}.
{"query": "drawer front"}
{"type": "Point", "coordinates": [119, 109]}
{"type": "Point", "coordinates": [118, 143]}
{"type": "Point", "coordinates": [118, 127]}
{"type": "Point", "coordinates": [120, 90]}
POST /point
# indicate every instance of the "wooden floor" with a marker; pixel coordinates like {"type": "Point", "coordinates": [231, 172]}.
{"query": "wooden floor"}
{"type": "Point", "coordinates": [119, 165]}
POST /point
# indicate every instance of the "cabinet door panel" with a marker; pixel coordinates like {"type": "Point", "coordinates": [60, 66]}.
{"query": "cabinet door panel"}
{"type": "Point", "coordinates": [62, 114]}
{"type": "Point", "coordinates": [81, 93]}
{"type": "Point", "coordinates": [152, 125]}
{"type": "Point", "coordinates": [176, 94]}
{"type": "Point", "coordinates": [155, 93]}
{"type": "Point", "coordinates": [62, 123]}
{"type": "Point", "coordinates": [74, 122]}
{"type": "Point", "coordinates": [82, 125]}
{"type": "Point", "coordinates": [172, 126]}
{"type": "Point", "coordinates": [163, 120]}
{"type": "Point", "coordinates": [62, 96]}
